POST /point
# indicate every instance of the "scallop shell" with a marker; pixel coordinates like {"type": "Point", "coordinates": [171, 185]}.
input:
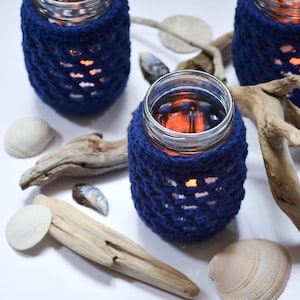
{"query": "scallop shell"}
{"type": "Point", "coordinates": [27, 137]}
{"type": "Point", "coordinates": [90, 196]}
{"type": "Point", "coordinates": [251, 269]}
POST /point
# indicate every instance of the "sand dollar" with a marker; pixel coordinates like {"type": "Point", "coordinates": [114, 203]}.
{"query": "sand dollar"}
{"type": "Point", "coordinates": [28, 226]}
{"type": "Point", "coordinates": [190, 27]}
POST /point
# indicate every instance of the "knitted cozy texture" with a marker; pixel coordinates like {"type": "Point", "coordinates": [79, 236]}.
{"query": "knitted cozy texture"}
{"type": "Point", "coordinates": [77, 70]}
{"type": "Point", "coordinates": [159, 184]}
{"type": "Point", "coordinates": [262, 48]}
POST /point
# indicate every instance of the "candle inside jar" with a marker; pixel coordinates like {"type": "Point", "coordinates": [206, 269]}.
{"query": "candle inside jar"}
{"type": "Point", "coordinates": [286, 8]}
{"type": "Point", "coordinates": [188, 112]}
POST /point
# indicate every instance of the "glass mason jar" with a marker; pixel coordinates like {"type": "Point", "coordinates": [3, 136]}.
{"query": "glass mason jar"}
{"type": "Point", "coordinates": [284, 11]}
{"type": "Point", "coordinates": [266, 43]}
{"type": "Point", "coordinates": [77, 52]}
{"type": "Point", "coordinates": [71, 12]}
{"type": "Point", "coordinates": [187, 150]}
{"type": "Point", "coordinates": [188, 112]}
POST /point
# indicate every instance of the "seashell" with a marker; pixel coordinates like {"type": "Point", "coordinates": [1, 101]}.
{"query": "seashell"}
{"type": "Point", "coordinates": [189, 27]}
{"type": "Point", "coordinates": [152, 67]}
{"type": "Point", "coordinates": [90, 196]}
{"type": "Point", "coordinates": [27, 137]}
{"type": "Point", "coordinates": [251, 269]}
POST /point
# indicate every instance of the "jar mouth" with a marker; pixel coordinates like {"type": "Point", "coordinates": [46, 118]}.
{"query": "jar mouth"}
{"type": "Point", "coordinates": [282, 11]}
{"type": "Point", "coordinates": [72, 12]}
{"type": "Point", "coordinates": [193, 81]}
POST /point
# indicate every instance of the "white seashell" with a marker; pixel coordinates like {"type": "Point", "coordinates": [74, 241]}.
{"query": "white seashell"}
{"type": "Point", "coordinates": [251, 269]}
{"type": "Point", "coordinates": [27, 137]}
{"type": "Point", "coordinates": [90, 196]}
{"type": "Point", "coordinates": [189, 27]}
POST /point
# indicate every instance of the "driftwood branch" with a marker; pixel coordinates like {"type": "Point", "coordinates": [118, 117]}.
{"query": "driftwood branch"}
{"type": "Point", "coordinates": [83, 156]}
{"type": "Point", "coordinates": [274, 116]}
{"type": "Point", "coordinates": [203, 61]}
{"type": "Point", "coordinates": [107, 247]}
{"type": "Point", "coordinates": [208, 49]}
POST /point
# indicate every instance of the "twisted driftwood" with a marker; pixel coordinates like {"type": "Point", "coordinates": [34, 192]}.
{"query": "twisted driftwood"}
{"type": "Point", "coordinates": [83, 156]}
{"type": "Point", "coordinates": [277, 121]}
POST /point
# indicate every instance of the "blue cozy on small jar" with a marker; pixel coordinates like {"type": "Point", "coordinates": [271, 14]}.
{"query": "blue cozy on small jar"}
{"type": "Point", "coordinates": [77, 53]}
{"type": "Point", "coordinates": [187, 149]}
{"type": "Point", "coordinates": [266, 44]}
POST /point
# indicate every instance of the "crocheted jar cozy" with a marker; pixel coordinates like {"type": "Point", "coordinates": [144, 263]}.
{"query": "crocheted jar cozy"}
{"type": "Point", "coordinates": [262, 48]}
{"type": "Point", "coordinates": [158, 184]}
{"type": "Point", "coordinates": [77, 70]}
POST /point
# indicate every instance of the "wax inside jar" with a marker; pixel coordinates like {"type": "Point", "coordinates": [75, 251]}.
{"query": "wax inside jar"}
{"type": "Point", "coordinates": [188, 112]}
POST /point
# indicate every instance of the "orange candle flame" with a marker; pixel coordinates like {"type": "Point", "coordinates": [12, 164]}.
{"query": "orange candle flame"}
{"type": "Point", "coordinates": [191, 121]}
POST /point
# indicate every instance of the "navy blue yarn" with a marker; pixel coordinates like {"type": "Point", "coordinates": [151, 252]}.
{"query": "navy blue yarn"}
{"type": "Point", "coordinates": [48, 61]}
{"type": "Point", "coordinates": [153, 174]}
{"type": "Point", "coordinates": [257, 43]}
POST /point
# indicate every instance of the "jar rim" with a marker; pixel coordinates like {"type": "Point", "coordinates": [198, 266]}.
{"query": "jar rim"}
{"type": "Point", "coordinates": [73, 12]}
{"type": "Point", "coordinates": [175, 137]}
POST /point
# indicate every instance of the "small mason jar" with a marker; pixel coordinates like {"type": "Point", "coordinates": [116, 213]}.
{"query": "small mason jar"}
{"type": "Point", "coordinates": [187, 151]}
{"type": "Point", "coordinates": [77, 52]}
{"type": "Point", "coordinates": [266, 42]}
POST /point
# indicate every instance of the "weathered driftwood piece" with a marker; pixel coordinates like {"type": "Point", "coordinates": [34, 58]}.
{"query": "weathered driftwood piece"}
{"type": "Point", "coordinates": [83, 156]}
{"type": "Point", "coordinates": [105, 246]}
{"type": "Point", "coordinates": [277, 121]}
{"type": "Point", "coordinates": [203, 62]}
{"type": "Point", "coordinates": [209, 49]}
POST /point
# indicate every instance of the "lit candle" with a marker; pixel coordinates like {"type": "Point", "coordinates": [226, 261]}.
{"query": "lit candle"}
{"type": "Point", "coordinates": [188, 113]}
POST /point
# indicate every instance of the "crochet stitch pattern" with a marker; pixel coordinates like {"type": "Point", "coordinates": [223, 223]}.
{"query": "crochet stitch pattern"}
{"type": "Point", "coordinates": [262, 48]}
{"type": "Point", "coordinates": [159, 184]}
{"type": "Point", "coordinates": [77, 70]}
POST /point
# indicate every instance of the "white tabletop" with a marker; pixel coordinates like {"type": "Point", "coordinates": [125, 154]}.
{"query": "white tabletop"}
{"type": "Point", "coordinates": [52, 271]}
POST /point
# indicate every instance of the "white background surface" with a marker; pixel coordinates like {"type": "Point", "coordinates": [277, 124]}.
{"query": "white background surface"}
{"type": "Point", "coordinates": [50, 270]}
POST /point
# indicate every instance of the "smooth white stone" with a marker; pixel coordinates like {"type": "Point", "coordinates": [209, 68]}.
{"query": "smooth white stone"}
{"type": "Point", "coordinates": [28, 226]}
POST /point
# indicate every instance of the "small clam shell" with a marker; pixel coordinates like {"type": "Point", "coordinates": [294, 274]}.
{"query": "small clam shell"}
{"type": "Point", "coordinates": [251, 269]}
{"type": "Point", "coordinates": [90, 196]}
{"type": "Point", "coordinates": [27, 137]}
{"type": "Point", "coordinates": [189, 27]}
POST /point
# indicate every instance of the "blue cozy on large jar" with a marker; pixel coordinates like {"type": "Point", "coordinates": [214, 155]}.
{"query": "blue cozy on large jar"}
{"type": "Point", "coordinates": [187, 185]}
{"type": "Point", "coordinates": [266, 44]}
{"type": "Point", "coordinates": [77, 68]}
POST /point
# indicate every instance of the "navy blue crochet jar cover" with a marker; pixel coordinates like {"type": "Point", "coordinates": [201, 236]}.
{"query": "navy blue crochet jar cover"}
{"type": "Point", "coordinates": [158, 184]}
{"type": "Point", "coordinates": [262, 48]}
{"type": "Point", "coordinates": [77, 70]}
